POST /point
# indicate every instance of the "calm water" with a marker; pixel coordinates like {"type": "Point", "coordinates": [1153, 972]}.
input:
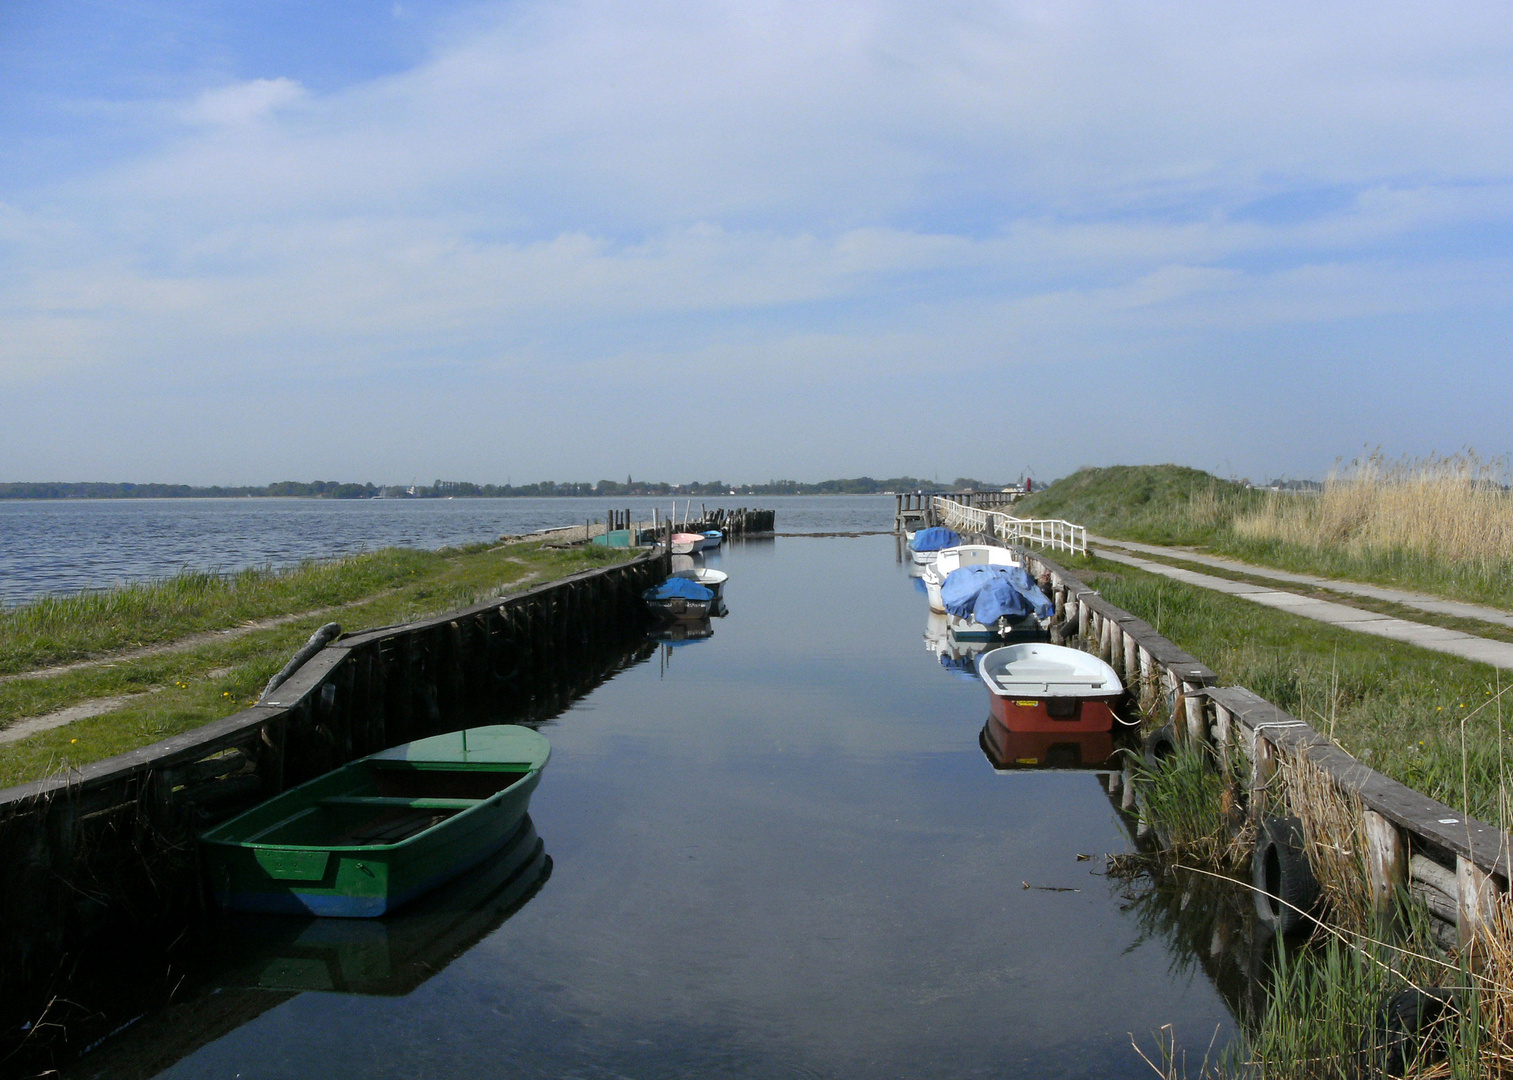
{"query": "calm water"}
{"type": "Point", "coordinates": [776, 852]}
{"type": "Point", "coordinates": [68, 545]}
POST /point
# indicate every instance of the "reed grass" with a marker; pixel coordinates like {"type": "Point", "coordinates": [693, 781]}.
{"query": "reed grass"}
{"type": "Point", "coordinates": [1440, 525]}
{"type": "Point", "coordinates": [1448, 509]}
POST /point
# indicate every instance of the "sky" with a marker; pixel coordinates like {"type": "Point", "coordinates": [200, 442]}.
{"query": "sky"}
{"type": "Point", "coordinates": [748, 240]}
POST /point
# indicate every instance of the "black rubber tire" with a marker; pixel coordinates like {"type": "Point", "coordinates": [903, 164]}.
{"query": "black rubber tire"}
{"type": "Point", "coordinates": [1160, 745]}
{"type": "Point", "coordinates": [1286, 890]}
{"type": "Point", "coordinates": [1408, 1031]}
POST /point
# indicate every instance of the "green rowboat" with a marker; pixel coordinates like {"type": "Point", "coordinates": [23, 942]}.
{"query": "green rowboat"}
{"type": "Point", "coordinates": [362, 840]}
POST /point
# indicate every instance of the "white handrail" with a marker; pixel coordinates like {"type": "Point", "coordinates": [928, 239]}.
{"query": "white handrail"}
{"type": "Point", "coordinates": [1053, 533]}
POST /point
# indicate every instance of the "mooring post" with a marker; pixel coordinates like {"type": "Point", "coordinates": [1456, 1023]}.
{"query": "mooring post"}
{"type": "Point", "coordinates": [1197, 712]}
{"type": "Point", "coordinates": [1475, 907]}
{"type": "Point", "coordinates": [1386, 861]}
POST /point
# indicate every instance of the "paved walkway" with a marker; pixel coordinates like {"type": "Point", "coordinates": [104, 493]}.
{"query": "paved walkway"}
{"type": "Point", "coordinates": [1497, 653]}
{"type": "Point", "coordinates": [1422, 601]}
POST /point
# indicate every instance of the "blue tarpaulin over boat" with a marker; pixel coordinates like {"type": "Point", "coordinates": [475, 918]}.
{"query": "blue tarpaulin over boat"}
{"type": "Point", "coordinates": [679, 587]}
{"type": "Point", "coordinates": [987, 593]}
{"type": "Point", "coordinates": [934, 539]}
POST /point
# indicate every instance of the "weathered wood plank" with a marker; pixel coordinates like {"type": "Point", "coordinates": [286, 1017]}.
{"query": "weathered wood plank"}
{"type": "Point", "coordinates": [1427, 819]}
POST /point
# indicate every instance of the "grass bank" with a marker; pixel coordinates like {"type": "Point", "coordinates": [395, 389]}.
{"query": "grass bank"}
{"type": "Point", "coordinates": [216, 672]}
{"type": "Point", "coordinates": [1439, 525]}
{"type": "Point", "coordinates": [1437, 723]}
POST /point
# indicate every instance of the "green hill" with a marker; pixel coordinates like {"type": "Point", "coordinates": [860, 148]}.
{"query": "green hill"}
{"type": "Point", "coordinates": [1162, 504]}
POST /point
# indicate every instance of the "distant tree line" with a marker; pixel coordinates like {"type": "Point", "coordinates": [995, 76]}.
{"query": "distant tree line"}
{"type": "Point", "coordinates": [462, 489]}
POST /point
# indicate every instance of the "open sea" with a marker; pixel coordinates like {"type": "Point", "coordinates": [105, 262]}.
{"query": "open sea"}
{"type": "Point", "coordinates": [68, 545]}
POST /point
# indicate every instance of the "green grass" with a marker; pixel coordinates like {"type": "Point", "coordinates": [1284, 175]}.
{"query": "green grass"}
{"type": "Point", "coordinates": [1473, 582]}
{"type": "Point", "coordinates": [1156, 504]}
{"type": "Point", "coordinates": [60, 629]}
{"type": "Point", "coordinates": [194, 686]}
{"type": "Point", "coordinates": [1437, 723]}
{"type": "Point", "coordinates": [1478, 627]}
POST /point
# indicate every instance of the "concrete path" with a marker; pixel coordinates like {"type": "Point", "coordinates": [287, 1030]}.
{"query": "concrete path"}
{"type": "Point", "coordinates": [1421, 601]}
{"type": "Point", "coordinates": [1497, 653]}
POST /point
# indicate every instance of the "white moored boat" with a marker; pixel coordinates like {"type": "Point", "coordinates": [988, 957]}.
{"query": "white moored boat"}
{"type": "Point", "coordinates": [1040, 687]}
{"type": "Point", "coordinates": [713, 580]}
{"type": "Point", "coordinates": [948, 559]}
{"type": "Point", "coordinates": [686, 543]}
{"type": "Point", "coordinates": [925, 544]}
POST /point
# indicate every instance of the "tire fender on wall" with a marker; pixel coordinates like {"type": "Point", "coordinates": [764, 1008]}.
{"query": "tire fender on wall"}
{"type": "Point", "coordinates": [1286, 890]}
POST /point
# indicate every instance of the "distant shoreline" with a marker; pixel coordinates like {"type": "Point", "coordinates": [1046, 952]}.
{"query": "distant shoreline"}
{"type": "Point", "coordinates": [332, 489]}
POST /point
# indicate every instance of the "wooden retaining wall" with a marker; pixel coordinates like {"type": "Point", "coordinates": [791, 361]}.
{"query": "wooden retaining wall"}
{"type": "Point", "coordinates": [1417, 845]}
{"type": "Point", "coordinates": [113, 844]}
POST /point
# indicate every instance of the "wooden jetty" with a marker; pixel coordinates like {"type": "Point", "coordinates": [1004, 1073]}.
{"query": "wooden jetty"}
{"type": "Point", "coordinates": [1414, 845]}
{"type": "Point", "coordinates": [914, 509]}
{"type": "Point", "coordinates": [734, 523]}
{"type": "Point", "coordinates": [967, 519]}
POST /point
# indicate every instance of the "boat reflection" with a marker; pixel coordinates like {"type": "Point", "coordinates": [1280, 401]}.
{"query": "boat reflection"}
{"type": "Point", "coordinates": [1012, 751]}
{"type": "Point", "coordinates": [683, 632]}
{"type": "Point", "coordinates": [957, 657]}
{"type": "Point", "coordinates": [388, 956]}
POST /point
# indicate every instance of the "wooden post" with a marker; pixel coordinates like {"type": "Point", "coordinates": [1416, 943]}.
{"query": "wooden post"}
{"type": "Point", "coordinates": [1197, 712]}
{"type": "Point", "coordinates": [1224, 731]}
{"type": "Point", "coordinates": [1263, 766]}
{"type": "Point", "coordinates": [1386, 861]}
{"type": "Point", "coordinates": [1147, 681]}
{"type": "Point", "coordinates": [1475, 905]}
{"type": "Point", "coordinates": [1115, 645]}
{"type": "Point", "coordinates": [1084, 617]}
{"type": "Point", "coordinates": [1131, 660]}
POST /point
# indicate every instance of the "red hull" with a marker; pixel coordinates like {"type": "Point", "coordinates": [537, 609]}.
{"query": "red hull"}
{"type": "Point", "coordinates": [1053, 715]}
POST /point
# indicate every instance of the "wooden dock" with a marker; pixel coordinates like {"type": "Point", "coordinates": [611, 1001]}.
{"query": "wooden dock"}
{"type": "Point", "coordinates": [1414, 845]}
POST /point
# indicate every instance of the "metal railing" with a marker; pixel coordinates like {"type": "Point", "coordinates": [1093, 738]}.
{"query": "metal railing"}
{"type": "Point", "coordinates": [1052, 533]}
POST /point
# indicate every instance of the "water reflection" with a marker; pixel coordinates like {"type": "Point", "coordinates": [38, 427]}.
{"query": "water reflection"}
{"type": "Point", "coordinates": [1009, 751]}
{"type": "Point", "coordinates": [957, 657]}
{"type": "Point", "coordinates": [683, 632]}
{"type": "Point", "coordinates": [776, 857]}
{"type": "Point", "coordinates": [1205, 923]}
{"type": "Point", "coordinates": [389, 956]}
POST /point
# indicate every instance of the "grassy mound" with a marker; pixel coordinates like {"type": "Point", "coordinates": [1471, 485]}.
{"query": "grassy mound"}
{"type": "Point", "coordinates": [1159, 504]}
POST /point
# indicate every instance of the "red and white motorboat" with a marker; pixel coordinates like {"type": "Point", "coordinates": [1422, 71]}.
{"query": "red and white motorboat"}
{"type": "Point", "coordinates": [1038, 687]}
{"type": "Point", "coordinates": [686, 543]}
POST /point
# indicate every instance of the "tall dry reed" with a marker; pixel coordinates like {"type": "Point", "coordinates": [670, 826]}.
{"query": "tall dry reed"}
{"type": "Point", "coordinates": [1451, 509]}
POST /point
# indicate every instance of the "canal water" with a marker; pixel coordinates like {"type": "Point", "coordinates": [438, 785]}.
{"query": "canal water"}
{"type": "Point", "coordinates": [776, 851]}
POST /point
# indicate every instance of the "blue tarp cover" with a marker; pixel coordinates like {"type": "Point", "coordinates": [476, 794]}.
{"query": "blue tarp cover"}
{"type": "Point", "coordinates": [687, 588]}
{"type": "Point", "coordinates": [987, 593]}
{"type": "Point", "coordinates": [934, 539]}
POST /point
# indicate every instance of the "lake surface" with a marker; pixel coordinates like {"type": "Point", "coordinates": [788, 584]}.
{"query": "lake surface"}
{"type": "Point", "coordinates": [779, 851]}
{"type": "Point", "coordinates": [73, 544]}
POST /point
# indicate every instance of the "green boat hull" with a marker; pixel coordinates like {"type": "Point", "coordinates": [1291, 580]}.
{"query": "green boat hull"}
{"type": "Point", "coordinates": [365, 839]}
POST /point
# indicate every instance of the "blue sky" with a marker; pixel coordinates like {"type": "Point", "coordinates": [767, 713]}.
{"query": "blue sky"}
{"type": "Point", "coordinates": [245, 242]}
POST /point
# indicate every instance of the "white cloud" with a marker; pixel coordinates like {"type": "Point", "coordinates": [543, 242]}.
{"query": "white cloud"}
{"type": "Point", "coordinates": [862, 186]}
{"type": "Point", "coordinates": [244, 103]}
